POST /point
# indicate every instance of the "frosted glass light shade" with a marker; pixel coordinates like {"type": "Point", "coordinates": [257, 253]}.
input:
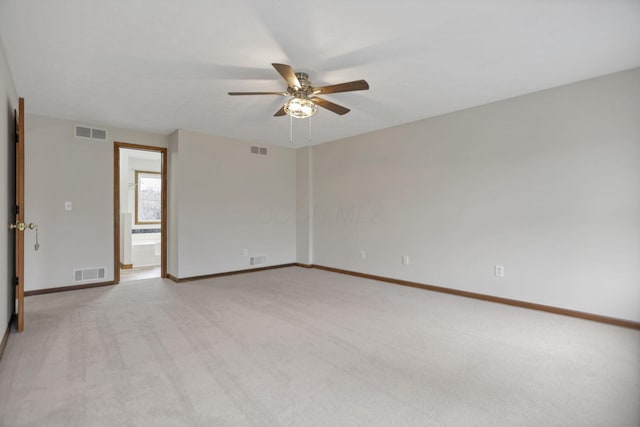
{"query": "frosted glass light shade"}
{"type": "Point", "coordinates": [300, 108]}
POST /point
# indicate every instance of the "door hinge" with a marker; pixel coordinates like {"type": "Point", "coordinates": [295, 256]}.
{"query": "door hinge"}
{"type": "Point", "coordinates": [17, 209]}
{"type": "Point", "coordinates": [17, 281]}
{"type": "Point", "coordinates": [17, 137]}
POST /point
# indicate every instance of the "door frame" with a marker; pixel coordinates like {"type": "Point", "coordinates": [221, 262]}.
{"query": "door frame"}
{"type": "Point", "coordinates": [116, 206]}
{"type": "Point", "coordinates": [19, 216]}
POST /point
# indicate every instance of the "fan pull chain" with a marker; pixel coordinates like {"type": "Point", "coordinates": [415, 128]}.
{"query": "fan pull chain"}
{"type": "Point", "coordinates": [290, 129]}
{"type": "Point", "coordinates": [309, 119]}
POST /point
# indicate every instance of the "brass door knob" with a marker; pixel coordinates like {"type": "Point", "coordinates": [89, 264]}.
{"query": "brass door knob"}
{"type": "Point", "coordinates": [20, 226]}
{"type": "Point", "coordinates": [17, 226]}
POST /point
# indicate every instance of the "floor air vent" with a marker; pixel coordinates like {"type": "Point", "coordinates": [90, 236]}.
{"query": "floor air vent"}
{"type": "Point", "coordinates": [91, 133]}
{"type": "Point", "coordinates": [89, 274]}
{"type": "Point", "coordinates": [257, 260]}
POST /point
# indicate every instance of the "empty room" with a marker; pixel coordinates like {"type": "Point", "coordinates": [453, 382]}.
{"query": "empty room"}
{"type": "Point", "coordinates": [289, 213]}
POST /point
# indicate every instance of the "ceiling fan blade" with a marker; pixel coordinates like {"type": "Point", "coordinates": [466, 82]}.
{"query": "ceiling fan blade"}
{"type": "Point", "coordinates": [338, 109]}
{"type": "Point", "coordinates": [259, 93]}
{"type": "Point", "coordinates": [288, 75]}
{"type": "Point", "coordinates": [280, 112]}
{"type": "Point", "coordinates": [343, 87]}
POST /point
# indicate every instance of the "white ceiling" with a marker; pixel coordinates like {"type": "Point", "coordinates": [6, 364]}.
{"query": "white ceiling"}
{"type": "Point", "coordinates": [158, 65]}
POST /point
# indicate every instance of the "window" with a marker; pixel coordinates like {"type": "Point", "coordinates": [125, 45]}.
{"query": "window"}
{"type": "Point", "coordinates": [148, 197]}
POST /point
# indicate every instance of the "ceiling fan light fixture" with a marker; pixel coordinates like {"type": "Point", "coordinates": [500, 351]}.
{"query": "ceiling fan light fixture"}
{"type": "Point", "coordinates": [300, 108]}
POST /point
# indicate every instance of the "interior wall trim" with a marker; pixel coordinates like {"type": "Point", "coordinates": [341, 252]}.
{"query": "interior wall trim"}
{"type": "Point", "coordinates": [228, 273]}
{"type": "Point", "coordinates": [304, 265]}
{"type": "Point", "coordinates": [5, 337]}
{"type": "Point", "coordinates": [517, 303]}
{"type": "Point", "coordinates": [67, 288]}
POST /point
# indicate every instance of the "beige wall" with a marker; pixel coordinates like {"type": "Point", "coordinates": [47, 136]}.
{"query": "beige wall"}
{"type": "Point", "coordinates": [229, 200]}
{"type": "Point", "coordinates": [60, 167]}
{"type": "Point", "coordinates": [8, 102]}
{"type": "Point", "coordinates": [173, 223]}
{"type": "Point", "coordinates": [546, 184]}
{"type": "Point", "coordinates": [304, 205]}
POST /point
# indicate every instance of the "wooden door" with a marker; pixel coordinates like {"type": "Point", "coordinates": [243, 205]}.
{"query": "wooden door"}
{"type": "Point", "coordinates": [18, 226]}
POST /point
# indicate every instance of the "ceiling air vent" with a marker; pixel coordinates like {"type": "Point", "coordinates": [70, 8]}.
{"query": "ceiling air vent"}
{"type": "Point", "coordinates": [91, 133]}
{"type": "Point", "coordinates": [258, 150]}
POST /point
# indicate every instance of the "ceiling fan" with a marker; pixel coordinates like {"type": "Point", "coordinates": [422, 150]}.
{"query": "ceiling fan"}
{"type": "Point", "coordinates": [304, 102]}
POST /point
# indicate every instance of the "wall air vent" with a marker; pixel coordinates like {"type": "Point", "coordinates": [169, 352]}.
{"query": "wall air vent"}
{"type": "Point", "coordinates": [91, 133]}
{"type": "Point", "coordinates": [257, 260]}
{"type": "Point", "coordinates": [100, 134]}
{"type": "Point", "coordinates": [262, 151]}
{"type": "Point", "coordinates": [89, 274]}
{"type": "Point", "coordinates": [83, 132]}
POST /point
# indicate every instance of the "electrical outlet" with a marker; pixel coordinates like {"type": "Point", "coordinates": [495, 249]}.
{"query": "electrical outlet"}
{"type": "Point", "coordinates": [499, 271]}
{"type": "Point", "coordinates": [245, 252]}
{"type": "Point", "coordinates": [363, 255]}
{"type": "Point", "coordinates": [405, 259]}
{"type": "Point", "coordinates": [67, 206]}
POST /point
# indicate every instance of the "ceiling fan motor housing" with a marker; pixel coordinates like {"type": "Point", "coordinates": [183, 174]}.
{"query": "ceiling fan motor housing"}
{"type": "Point", "coordinates": [305, 85]}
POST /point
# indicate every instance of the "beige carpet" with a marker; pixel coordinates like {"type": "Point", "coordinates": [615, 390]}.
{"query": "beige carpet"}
{"type": "Point", "coordinates": [139, 273]}
{"type": "Point", "coordinates": [298, 347]}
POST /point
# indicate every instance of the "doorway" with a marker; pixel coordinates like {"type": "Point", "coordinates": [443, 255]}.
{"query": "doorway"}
{"type": "Point", "coordinates": [140, 207]}
{"type": "Point", "coordinates": [16, 239]}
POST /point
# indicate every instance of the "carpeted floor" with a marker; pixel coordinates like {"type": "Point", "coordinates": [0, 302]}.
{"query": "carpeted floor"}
{"type": "Point", "coordinates": [139, 273]}
{"type": "Point", "coordinates": [299, 347]}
